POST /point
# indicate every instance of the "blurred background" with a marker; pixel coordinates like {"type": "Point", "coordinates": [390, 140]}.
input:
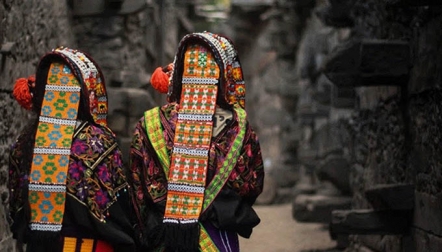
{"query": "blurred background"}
{"type": "Point", "coordinates": [345, 96]}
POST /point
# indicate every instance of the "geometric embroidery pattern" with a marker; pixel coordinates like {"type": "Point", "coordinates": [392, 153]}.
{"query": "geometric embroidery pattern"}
{"type": "Point", "coordinates": [155, 134]}
{"type": "Point", "coordinates": [193, 133]}
{"type": "Point", "coordinates": [206, 243]}
{"type": "Point", "coordinates": [235, 85]}
{"type": "Point", "coordinates": [198, 99]}
{"type": "Point", "coordinates": [53, 139]}
{"type": "Point", "coordinates": [92, 82]}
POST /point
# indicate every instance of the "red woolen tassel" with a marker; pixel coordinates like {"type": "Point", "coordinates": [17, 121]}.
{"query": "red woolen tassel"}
{"type": "Point", "coordinates": [22, 92]}
{"type": "Point", "coordinates": [160, 80]}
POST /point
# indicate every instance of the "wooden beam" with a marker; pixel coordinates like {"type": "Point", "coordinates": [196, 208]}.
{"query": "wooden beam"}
{"type": "Point", "coordinates": [391, 196]}
{"type": "Point", "coordinates": [340, 66]}
{"type": "Point", "coordinates": [369, 63]}
{"type": "Point", "coordinates": [384, 62]}
{"type": "Point", "coordinates": [414, 2]}
{"type": "Point", "coordinates": [252, 2]}
{"type": "Point", "coordinates": [307, 155]}
{"type": "Point", "coordinates": [370, 222]}
{"type": "Point", "coordinates": [312, 109]}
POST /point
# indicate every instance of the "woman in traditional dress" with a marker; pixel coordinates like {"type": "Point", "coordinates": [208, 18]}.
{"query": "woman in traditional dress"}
{"type": "Point", "coordinates": [196, 162]}
{"type": "Point", "coordinates": [68, 190]}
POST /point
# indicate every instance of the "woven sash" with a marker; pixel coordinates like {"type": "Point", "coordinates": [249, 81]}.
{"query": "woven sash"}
{"type": "Point", "coordinates": [206, 243]}
{"type": "Point", "coordinates": [47, 180]}
{"type": "Point", "coordinates": [193, 133]}
{"type": "Point", "coordinates": [155, 134]}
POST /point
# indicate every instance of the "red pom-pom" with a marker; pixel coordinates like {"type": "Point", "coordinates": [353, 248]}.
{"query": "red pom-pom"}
{"type": "Point", "coordinates": [22, 92]}
{"type": "Point", "coordinates": [160, 80]}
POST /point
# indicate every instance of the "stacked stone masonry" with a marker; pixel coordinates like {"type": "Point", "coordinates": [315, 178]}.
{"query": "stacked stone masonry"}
{"type": "Point", "coordinates": [128, 46]}
{"type": "Point", "coordinates": [368, 72]}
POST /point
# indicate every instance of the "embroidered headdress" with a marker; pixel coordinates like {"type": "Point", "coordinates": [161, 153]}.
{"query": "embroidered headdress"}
{"type": "Point", "coordinates": [68, 86]}
{"type": "Point", "coordinates": [231, 82]}
{"type": "Point", "coordinates": [206, 73]}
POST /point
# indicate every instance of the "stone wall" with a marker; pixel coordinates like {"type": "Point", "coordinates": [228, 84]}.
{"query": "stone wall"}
{"type": "Point", "coordinates": [395, 123]}
{"type": "Point", "coordinates": [365, 108]}
{"type": "Point", "coordinates": [28, 29]}
{"type": "Point", "coordinates": [424, 160]}
{"type": "Point", "coordinates": [399, 125]}
{"type": "Point", "coordinates": [267, 36]}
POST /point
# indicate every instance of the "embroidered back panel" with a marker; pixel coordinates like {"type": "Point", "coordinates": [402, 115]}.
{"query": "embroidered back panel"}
{"type": "Point", "coordinates": [47, 180]}
{"type": "Point", "coordinates": [193, 133]}
{"type": "Point", "coordinates": [53, 140]}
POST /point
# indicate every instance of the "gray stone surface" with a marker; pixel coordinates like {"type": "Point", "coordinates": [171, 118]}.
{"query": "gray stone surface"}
{"type": "Point", "coordinates": [426, 241]}
{"type": "Point", "coordinates": [34, 27]}
{"type": "Point", "coordinates": [318, 208]}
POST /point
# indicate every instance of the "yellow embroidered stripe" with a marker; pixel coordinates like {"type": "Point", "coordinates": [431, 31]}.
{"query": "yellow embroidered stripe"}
{"type": "Point", "coordinates": [206, 243]}
{"type": "Point", "coordinates": [155, 134]}
{"type": "Point", "coordinates": [229, 163]}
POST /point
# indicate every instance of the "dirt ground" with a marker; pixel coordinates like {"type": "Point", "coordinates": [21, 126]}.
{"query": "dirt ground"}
{"type": "Point", "coordinates": [279, 232]}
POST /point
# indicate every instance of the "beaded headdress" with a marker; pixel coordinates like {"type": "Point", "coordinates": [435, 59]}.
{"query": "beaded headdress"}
{"type": "Point", "coordinates": [71, 76]}
{"type": "Point", "coordinates": [206, 66]}
{"type": "Point", "coordinates": [232, 86]}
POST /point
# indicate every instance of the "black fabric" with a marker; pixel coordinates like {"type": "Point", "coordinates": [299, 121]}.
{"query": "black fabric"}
{"type": "Point", "coordinates": [117, 229]}
{"type": "Point", "coordinates": [19, 226]}
{"type": "Point", "coordinates": [182, 237]}
{"type": "Point", "coordinates": [152, 233]}
{"type": "Point", "coordinates": [231, 212]}
{"type": "Point", "coordinates": [43, 245]}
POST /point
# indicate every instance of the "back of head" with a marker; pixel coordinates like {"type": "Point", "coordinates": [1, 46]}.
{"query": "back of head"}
{"type": "Point", "coordinates": [230, 81]}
